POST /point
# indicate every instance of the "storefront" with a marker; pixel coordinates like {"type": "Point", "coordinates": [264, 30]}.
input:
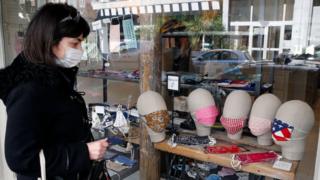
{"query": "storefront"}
{"type": "Point", "coordinates": [183, 47]}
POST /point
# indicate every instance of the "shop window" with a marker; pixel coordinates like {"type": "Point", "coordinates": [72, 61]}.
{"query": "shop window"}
{"type": "Point", "coordinates": [272, 10]}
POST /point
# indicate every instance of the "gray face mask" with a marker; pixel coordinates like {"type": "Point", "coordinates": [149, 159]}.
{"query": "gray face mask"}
{"type": "Point", "coordinates": [72, 58]}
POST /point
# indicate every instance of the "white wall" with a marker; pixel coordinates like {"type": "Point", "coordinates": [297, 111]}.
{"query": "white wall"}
{"type": "Point", "coordinates": [302, 23]}
{"type": "Point", "coordinates": [315, 26]}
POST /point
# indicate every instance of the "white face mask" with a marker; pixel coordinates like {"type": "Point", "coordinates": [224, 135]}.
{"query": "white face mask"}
{"type": "Point", "coordinates": [72, 58]}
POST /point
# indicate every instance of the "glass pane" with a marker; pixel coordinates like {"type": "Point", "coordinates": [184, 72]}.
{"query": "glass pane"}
{"type": "Point", "coordinates": [289, 10]}
{"type": "Point", "coordinates": [274, 37]}
{"type": "Point", "coordinates": [258, 37]}
{"type": "Point", "coordinates": [257, 55]}
{"type": "Point", "coordinates": [287, 32]}
{"type": "Point", "coordinates": [272, 54]}
{"type": "Point", "coordinates": [239, 10]}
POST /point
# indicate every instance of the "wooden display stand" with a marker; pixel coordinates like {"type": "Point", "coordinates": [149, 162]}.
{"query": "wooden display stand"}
{"type": "Point", "coordinates": [264, 169]}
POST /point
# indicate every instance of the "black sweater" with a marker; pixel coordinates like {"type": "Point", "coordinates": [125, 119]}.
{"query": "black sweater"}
{"type": "Point", "coordinates": [44, 112]}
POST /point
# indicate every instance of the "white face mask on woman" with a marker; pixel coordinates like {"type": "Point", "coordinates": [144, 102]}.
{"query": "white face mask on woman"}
{"type": "Point", "coordinates": [72, 58]}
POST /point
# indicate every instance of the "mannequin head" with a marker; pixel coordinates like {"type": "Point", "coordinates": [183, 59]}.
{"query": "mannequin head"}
{"type": "Point", "coordinates": [262, 114]}
{"type": "Point", "coordinates": [235, 112]}
{"type": "Point", "coordinates": [203, 110]}
{"type": "Point", "coordinates": [294, 120]}
{"type": "Point", "coordinates": [152, 106]}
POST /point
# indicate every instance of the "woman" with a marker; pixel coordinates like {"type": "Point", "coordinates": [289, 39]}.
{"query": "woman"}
{"type": "Point", "coordinates": [44, 111]}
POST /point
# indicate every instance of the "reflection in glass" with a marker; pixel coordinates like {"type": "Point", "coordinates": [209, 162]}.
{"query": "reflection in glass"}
{"type": "Point", "coordinates": [273, 37]}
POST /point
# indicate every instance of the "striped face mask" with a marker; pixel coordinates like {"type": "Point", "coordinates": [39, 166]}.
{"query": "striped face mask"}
{"type": "Point", "coordinates": [232, 126]}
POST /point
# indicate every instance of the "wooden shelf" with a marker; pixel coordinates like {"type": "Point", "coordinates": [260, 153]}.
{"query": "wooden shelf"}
{"type": "Point", "coordinates": [194, 152]}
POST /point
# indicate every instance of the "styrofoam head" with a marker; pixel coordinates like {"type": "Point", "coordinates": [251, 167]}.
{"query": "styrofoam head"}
{"type": "Point", "coordinates": [199, 98]}
{"type": "Point", "coordinates": [265, 106]}
{"type": "Point", "coordinates": [150, 102]}
{"type": "Point", "coordinates": [237, 105]}
{"type": "Point", "coordinates": [262, 114]}
{"type": "Point", "coordinates": [299, 116]}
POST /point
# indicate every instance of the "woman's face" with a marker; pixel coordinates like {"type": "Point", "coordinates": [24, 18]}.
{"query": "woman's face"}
{"type": "Point", "coordinates": [65, 43]}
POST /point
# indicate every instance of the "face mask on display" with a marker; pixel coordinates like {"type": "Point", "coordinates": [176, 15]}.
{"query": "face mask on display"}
{"type": "Point", "coordinates": [158, 121]}
{"type": "Point", "coordinates": [72, 58]}
{"type": "Point", "coordinates": [259, 126]}
{"type": "Point", "coordinates": [232, 126]}
{"type": "Point", "coordinates": [282, 131]}
{"type": "Point", "coordinates": [207, 116]}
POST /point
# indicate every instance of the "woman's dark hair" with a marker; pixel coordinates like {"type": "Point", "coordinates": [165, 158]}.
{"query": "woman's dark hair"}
{"type": "Point", "coordinates": [49, 25]}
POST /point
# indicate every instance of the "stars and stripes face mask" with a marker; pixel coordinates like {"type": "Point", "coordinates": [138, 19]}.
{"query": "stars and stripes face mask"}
{"type": "Point", "coordinates": [282, 131]}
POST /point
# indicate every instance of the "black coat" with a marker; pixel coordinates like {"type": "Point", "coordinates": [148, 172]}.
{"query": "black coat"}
{"type": "Point", "coordinates": [44, 112]}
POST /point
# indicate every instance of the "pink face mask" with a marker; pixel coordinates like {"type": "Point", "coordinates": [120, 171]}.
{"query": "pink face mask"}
{"type": "Point", "coordinates": [207, 116]}
{"type": "Point", "coordinates": [259, 126]}
{"type": "Point", "coordinates": [232, 126]}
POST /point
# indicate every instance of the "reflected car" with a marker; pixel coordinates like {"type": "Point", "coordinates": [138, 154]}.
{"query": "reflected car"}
{"type": "Point", "coordinates": [220, 61]}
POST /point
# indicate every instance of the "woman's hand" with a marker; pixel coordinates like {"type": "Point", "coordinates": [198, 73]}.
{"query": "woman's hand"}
{"type": "Point", "coordinates": [97, 149]}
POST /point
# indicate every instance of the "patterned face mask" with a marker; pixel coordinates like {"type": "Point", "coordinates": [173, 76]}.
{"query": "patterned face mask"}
{"type": "Point", "coordinates": [232, 126]}
{"type": "Point", "coordinates": [157, 121]}
{"type": "Point", "coordinates": [281, 131]}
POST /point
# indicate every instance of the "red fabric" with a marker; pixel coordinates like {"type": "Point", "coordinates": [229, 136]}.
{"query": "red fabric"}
{"type": "Point", "coordinates": [256, 157]}
{"type": "Point", "coordinates": [222, 149]}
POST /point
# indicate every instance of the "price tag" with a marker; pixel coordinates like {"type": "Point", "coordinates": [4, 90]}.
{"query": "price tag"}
{"type": "Point", "coordinates": [175, 8]}
{"type": "Point", "coordinates": [101, 12]}
{"type": "Point", "coordinates": [127, 10]}
{"type": "Point", "coordinates": [185, 6]}
{"type": "Point", "coordinates": [106, 12]}
{"type": "Point", "coordinates": [173, 82]}
{"type": "Point", "coordinates": [134, 10]}
{"type": "Point", "coordinates": [113, 12]}
{"type": "Point", "coordinates": [120, 11]}
{"type": "Point", "coordinates": [96, 25]}
{"type": "Point", "coordinates": [215, 5]}
{"type": "Point", "coordinates": [166, 8]}
{"type": "Point", "coordinates": [99, 109]}
{"type": "Point", "coordinates": [142, 9]}
{"type": "Point", "coordinates": [158, 9]}
{"type": "Point", "coordinates": [282, 165]}
{"type": "Point", "coordinates": [195, 6]}
{"type": "Point", "coordinates": [205, 5]}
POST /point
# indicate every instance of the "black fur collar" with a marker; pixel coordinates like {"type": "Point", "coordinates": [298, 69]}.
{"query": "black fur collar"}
{"type": "Point", "coordinates": [22, 71]}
